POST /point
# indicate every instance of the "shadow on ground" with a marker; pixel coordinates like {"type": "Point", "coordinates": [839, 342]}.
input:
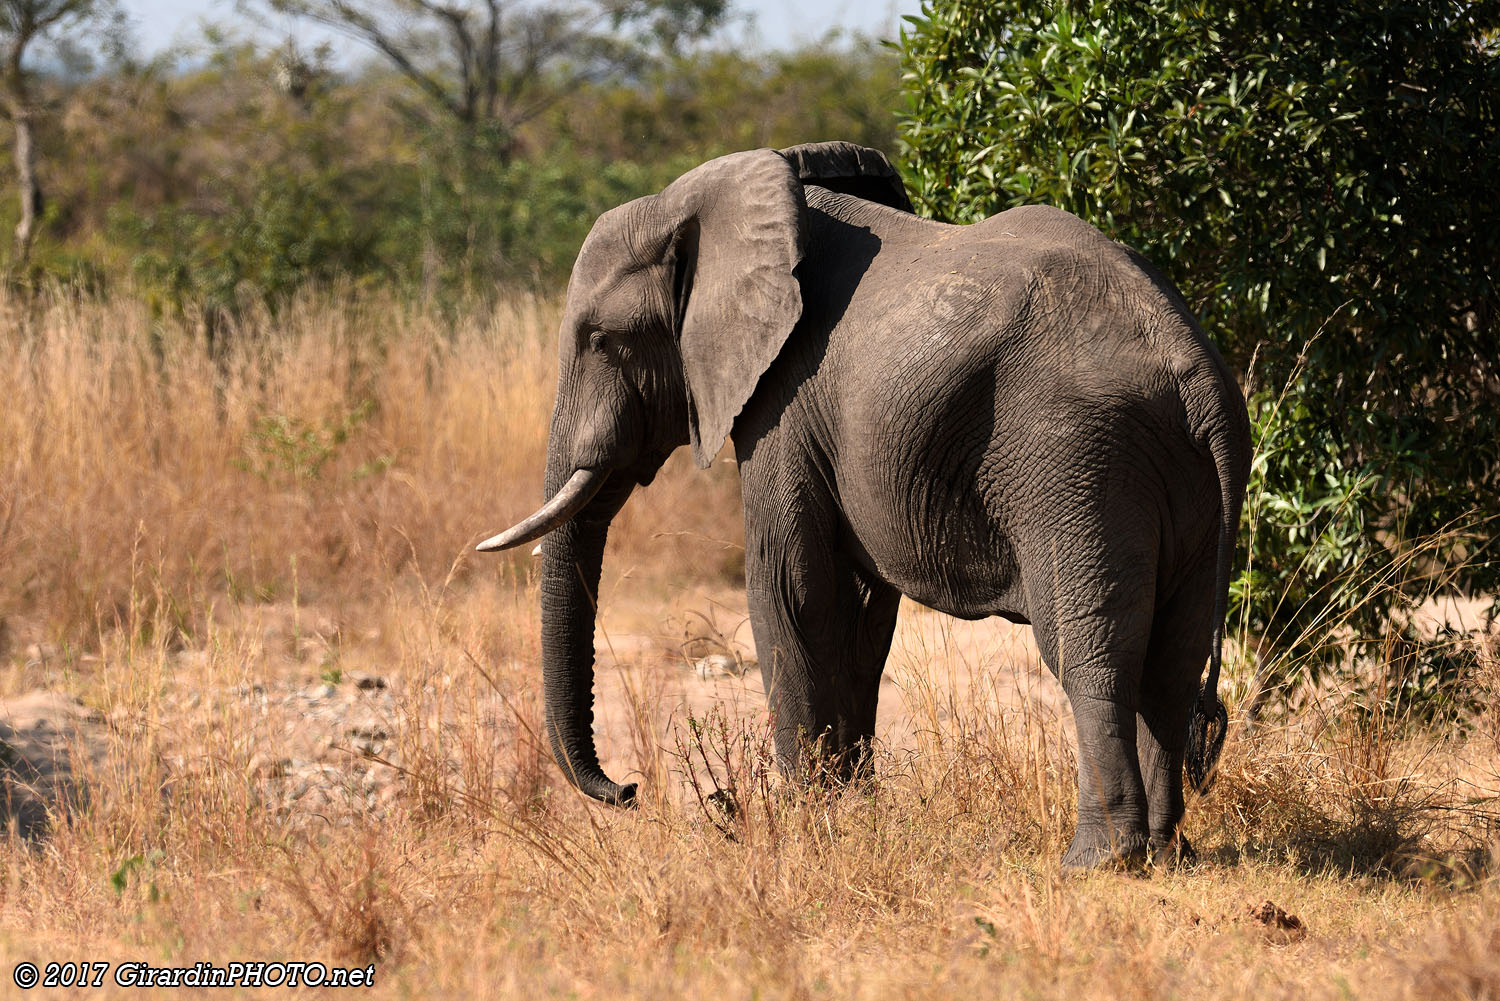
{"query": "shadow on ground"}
{"type": "Point", "coordinates": [46, 742]}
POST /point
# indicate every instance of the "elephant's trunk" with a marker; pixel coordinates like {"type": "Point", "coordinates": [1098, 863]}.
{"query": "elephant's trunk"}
{"type": "Point", "coordinates": [571, 564]}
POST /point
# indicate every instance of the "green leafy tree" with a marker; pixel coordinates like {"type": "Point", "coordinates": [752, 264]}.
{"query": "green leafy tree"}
{"type": "Point", "coordinates": [482, 72]}
{"type": "Point", "coordinates": [1319, 181]}
{"type": "Point", "coordinates": [241, 179]}
{"type": "Point", "coordinates": [245, 192]}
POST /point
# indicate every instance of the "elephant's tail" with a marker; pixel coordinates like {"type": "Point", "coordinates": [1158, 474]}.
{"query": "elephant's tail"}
{"type": "Point", "coordinates": [1210, 721]}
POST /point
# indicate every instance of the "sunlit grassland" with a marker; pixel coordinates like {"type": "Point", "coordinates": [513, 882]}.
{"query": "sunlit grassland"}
{"type": "Point", "coordinates": [180, 525]}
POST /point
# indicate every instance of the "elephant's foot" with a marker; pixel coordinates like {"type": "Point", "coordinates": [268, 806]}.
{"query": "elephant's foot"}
{"type": "Point", "coordinates": [1170, 852]}
{"type": "Point", "coordinates": [1101, 849]}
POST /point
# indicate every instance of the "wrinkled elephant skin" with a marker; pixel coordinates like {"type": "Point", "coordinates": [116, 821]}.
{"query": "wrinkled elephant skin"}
{"type": "Point", "coordinates": [1016, 418]}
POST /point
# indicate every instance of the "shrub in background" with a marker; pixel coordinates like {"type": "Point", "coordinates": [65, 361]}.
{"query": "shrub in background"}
{"type": "Point", "coordinates": [1317, 180]}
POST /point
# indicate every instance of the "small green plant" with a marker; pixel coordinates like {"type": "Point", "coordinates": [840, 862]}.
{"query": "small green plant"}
{"type": "Point", "coordinates": [282, 446]}
{"type": "Point", "coordinates": [136, 868]}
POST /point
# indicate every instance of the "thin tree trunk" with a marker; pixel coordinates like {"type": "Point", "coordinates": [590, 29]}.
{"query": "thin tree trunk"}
{"type": "Point", "coordinates": [28, 20]}
{"type": "Point", "coordinates": [21, 118]}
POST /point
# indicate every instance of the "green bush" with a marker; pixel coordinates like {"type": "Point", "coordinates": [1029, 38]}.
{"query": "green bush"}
{"type": "Point", "coordinates": [289, 231]}
{"type": "Point", "coordinates": [1318, 180]}
{"type": "Point", "coordinates": [480, 221]}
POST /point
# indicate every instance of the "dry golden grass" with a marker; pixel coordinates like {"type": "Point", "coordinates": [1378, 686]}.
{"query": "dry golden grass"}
{"type": "Point", "coordinates": [328, 451]}
{"type": "Point", "coordinates": [177, 529]}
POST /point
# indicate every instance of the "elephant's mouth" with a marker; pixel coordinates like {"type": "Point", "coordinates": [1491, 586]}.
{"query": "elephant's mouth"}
{"type": "Point", "coordinates": [575, 494]}
{"type": "Point", "coordinates": [644, 472]}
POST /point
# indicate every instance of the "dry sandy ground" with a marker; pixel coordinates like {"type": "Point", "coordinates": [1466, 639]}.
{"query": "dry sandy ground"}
{"type": "Point", "coordinates": [937, 664]}
{"type": "Point", "coordinates": [333, 742]}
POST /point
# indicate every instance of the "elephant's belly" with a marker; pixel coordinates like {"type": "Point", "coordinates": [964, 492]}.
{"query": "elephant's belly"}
{"type": "Point", "coordinates": [962, 566]}
{"type": "Point", "coordinates": [966, 599]}
{"type": "Point", "coordinates": [1004, 609]}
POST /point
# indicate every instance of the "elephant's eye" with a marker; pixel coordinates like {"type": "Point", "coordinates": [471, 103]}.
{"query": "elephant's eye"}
{"type": "Point", "coordinates": [599, 342]}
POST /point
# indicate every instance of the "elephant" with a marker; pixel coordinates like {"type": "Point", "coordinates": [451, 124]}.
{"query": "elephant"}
{"type": "Point", "coordinates": [1018, 417]}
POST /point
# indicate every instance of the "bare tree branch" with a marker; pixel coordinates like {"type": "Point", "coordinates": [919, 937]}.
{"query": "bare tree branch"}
{"type": "Point", "coordinates": [491, 56]}
{"type": "Point", "coordinates": [505, 61]}
{"type": "Point", "coordinates": [348, 19]}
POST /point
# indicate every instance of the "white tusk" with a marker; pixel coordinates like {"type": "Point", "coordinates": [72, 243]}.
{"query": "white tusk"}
{"type": "Point", "coordinates": [577, 492]}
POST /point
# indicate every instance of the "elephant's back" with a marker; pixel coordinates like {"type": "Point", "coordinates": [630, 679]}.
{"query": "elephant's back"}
{"type": "Point", "coordinates": [980, 370]}
{"type": "Point", "coordinates": [1030, 308]}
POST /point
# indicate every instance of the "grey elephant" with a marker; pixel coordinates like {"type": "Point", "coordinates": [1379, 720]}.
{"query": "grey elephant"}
{"type": "Point", "coordinates": [1017, 418]}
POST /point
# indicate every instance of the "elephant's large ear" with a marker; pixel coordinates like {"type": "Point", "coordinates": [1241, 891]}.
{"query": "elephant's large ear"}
{"type": "Point", "coordinates": [849, 169]}
{"type": "Point", "coordinates": [740, 227]}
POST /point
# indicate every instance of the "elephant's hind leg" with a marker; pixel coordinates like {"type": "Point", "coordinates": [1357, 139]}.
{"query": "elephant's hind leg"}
{"type": "Point", "coordinates": [1112, 802]}
{"type": "Point", "coordinates": [1180, 641]}
{"type": "Point", "coordinates": [1161, 738]}
{"type": "Point", "coordinates": [1096, 642]}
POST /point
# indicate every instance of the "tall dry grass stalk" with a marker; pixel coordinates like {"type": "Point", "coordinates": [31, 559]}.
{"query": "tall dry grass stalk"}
{"type": "Point", "coordinates": [321, 450]}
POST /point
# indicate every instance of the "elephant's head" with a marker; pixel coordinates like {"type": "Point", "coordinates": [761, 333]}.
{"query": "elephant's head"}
{"type": "Point", "coordinates": [678, 303]}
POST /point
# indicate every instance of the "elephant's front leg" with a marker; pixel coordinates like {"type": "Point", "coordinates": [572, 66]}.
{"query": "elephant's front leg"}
{"type": "Point", "coordinates": [822, 632]}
